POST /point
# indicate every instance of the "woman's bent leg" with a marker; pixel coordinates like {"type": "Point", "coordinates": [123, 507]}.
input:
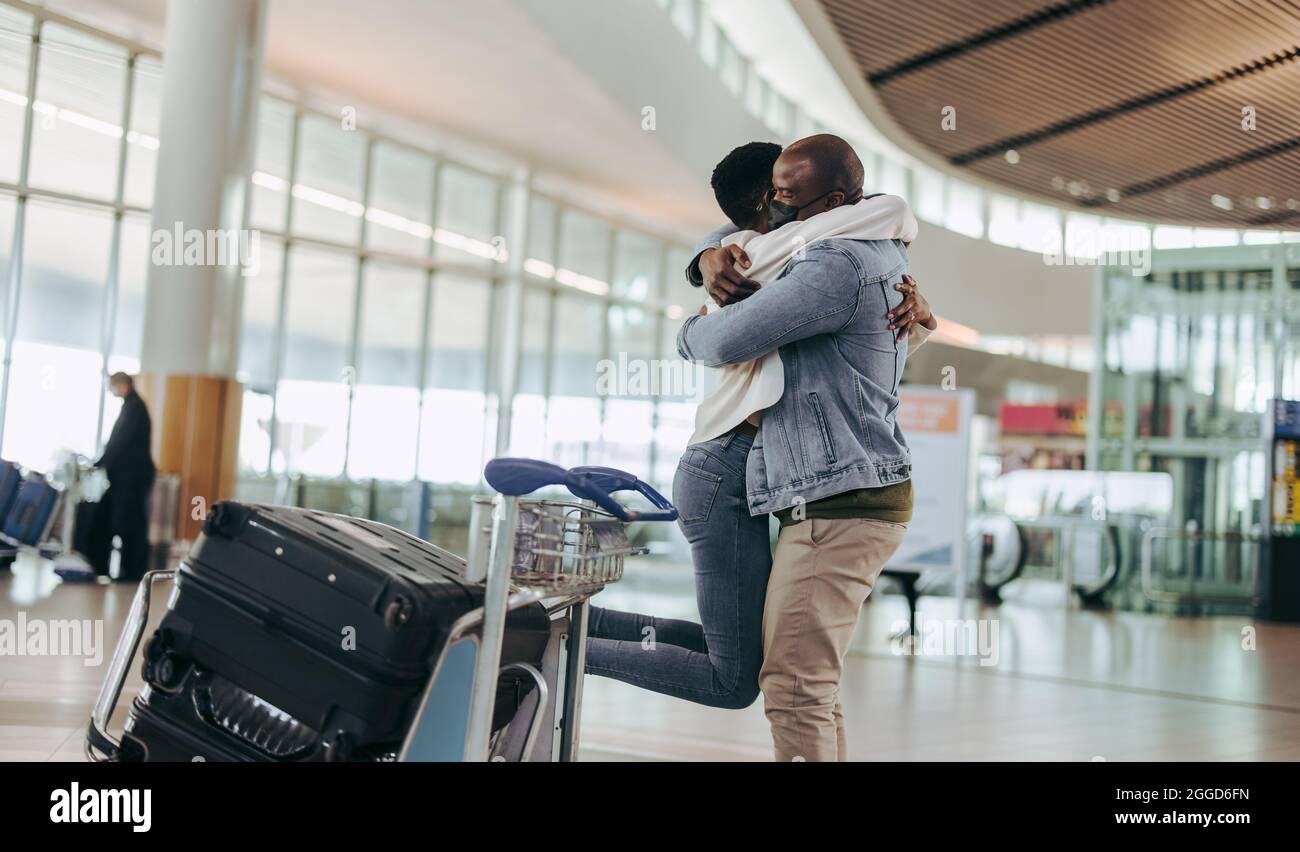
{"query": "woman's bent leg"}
{"type": "Point", "coordinates": [634, 627]}
{"type": "Point", "coordinates": [732, 556]}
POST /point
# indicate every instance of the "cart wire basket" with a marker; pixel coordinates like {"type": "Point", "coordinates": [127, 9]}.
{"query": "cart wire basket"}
{"type": "Point", "coordinates": [565, 547]}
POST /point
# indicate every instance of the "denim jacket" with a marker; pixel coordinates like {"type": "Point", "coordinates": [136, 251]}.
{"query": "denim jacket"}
{"type": "Point", "coordinates": [834, 428]}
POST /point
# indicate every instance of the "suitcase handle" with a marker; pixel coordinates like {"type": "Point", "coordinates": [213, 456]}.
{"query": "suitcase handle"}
{"type": "Point", "coordinates": [97, 737]}
{"type": "Point", "coordinates": [598, 483]}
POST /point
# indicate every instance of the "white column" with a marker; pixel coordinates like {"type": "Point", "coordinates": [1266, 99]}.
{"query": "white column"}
{"type": "Point", "coordinates": [212, 62]}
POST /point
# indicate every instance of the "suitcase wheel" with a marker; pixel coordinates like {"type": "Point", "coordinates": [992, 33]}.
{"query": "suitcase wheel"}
{"type": "Point", "coordinates": [167, 671]}
{"type": "Point", "coordinates": [339, 747]}
{"type": "Point", "coordinates": [397, 613]}
{"type": "Point", "coordinates": [157, 645]}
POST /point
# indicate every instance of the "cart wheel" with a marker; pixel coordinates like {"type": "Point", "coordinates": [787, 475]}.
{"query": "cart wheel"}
{"type": "Point", "coordinates": [338, 749]}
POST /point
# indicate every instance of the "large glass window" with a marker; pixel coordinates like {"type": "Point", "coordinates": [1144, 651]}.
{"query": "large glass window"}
{"type": "Point", "coordinates": [454, 430]}
{"type": "Point", "coordinates": [385, 404]}
{"type": "Point", "coordinates": [964, 209]}
{"type": "Point", "coordinates": [270, 192]}
{"type": "Point", "coordinates": [398, 378]}
{"type": "Point", "coordinates": [128, 308]}
{"type": "Point", "coordinates": [261, 315]}
{"type": "Point", "coordinates": [574, 411]}
{"type": "Point", "coordinates": [893, 180]}
{"type": "Point", "coordinates": [1040, 228]}
{"type": "Point", "coordinates": [543, 219]}
{"type": "Point", "coordinates": [1004, 220]}
{"type": "Point", "coordinates": [142, 137]}
{"type": "Point", "coordinates": [15, 58]}
{"type": "Point", "coordinates": [8, 207]}
{"type": "Point", "coordinates": [629, 401]}
{"type": "Point", "coordinates": [401, 201]}
{"type": "Point", "coordinates": [312, 396]}
{"type": "Point", "coordinates": [126, 313]}
{"type": "Point", "coordinates": [1083, 236]}
{"type": "Point", "coordinates": [528, 418]}
{"type": "Point", "coordinates": [329, 185]}
{"type": "Point", "coordinates": [55, 377]}
{"type": "Point", "coordinates": [72, 328]}
{"type": "Point", "coordinates": [636, 266]}
{"type": "Point", "coordinates": [928, 187]}
{"type": "Point", "coordinates": [682, 298]}
{"type": "Point", "coordinates": [686, 15]}
{"type": "Point", "coordinates": [675, 412]}
{"type": "Point", "coordinates": [77, 113]}
{"type": "Point", "coordinates": [732, 67]}
{"type": "Point", "coordinates": [584, 253]}
{"type": "Point", "coordinates": [467, 217]}
{"type": "Point", "coordinates": [444, 431]}
{"type": "Point", "coordinates": [257, 352]}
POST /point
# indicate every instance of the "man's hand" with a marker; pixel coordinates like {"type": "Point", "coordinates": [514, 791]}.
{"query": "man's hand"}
{"type": "Point", "coordinates": [722, 279]}
{"type": "Point", "coordinates": [913, 310]}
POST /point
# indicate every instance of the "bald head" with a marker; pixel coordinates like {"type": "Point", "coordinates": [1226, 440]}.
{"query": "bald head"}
{"type": "Point", "coordinates": [816, 174]}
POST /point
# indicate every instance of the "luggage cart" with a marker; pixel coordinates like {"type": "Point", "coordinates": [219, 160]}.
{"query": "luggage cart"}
{"type": "Point", "coordinates": [557, 551]}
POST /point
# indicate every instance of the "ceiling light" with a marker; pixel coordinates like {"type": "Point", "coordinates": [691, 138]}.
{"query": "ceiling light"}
{"type": "Point", "coordinates": [1013, 156]}
{"type": "Point", "coordinates": [1058, 183]}
{"type": "Point", "coordinates": [1222, 202]}
{"type": "Point", "coordinates": [1112, 194]}
{"type": "Point", "coordinates": [1264, 203]}
{"type": "Point", "coordinates": [540, 268]}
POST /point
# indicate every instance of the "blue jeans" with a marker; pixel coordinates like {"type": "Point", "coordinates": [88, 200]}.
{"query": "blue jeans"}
{"type": "Point", "coordinates": [717, 661]}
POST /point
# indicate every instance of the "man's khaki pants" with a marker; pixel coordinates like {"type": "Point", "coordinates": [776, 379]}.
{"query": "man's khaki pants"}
{"type": "Point", "coordinates": [822, 572]}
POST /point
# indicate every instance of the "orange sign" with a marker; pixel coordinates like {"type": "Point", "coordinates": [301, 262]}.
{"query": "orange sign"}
{"type": "Point", "coordinates": [928, 413]}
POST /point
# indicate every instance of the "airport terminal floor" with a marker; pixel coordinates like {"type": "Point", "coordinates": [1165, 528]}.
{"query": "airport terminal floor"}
{"type": "Point", "coordinates": [1070, 685]}
{"type": "Point", "coordinates": [389, 389]}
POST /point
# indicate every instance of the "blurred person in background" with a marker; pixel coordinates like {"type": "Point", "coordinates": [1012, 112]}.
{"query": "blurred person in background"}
{"type": "Point", "coordinates": [124, 508]}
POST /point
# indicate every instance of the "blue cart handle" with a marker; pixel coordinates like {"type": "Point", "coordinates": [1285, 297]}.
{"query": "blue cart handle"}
{"type": "Point", "coordinates": [516, 477]}
{"type": "Point", "coordinates": [598, 483]}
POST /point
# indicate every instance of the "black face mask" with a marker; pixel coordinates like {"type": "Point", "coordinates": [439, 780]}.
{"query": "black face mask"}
{"type": "Point", "coordinates": [779, 213]}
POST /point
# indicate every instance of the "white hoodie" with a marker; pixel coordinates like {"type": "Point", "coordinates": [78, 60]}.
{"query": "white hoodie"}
{"type": "Point", "coordinates": [746, 389]}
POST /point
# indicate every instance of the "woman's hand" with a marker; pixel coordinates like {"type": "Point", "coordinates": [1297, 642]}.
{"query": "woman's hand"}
{"type": "Point", "coordinates": [720, 270]}
{"type": "Point", "coordinates": [914, 310]}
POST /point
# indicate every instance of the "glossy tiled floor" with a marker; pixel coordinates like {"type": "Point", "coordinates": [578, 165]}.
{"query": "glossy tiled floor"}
{"type": "Point", "coordinates": [1065, 685]}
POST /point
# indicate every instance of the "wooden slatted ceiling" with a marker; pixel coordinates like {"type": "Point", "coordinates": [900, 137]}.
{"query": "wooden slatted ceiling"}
{"type": "Point", "coordinates": [1135, 100]}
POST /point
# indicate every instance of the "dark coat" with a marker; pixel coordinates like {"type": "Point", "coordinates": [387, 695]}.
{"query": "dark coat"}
{"type": "Point", "coordinates": [126, 458]}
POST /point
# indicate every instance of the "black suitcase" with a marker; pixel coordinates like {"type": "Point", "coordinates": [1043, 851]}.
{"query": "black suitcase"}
{"type": "Point", "coordinates": [329, 622]}
{"type": "Point", "coordinates": [208, 718]}
{"type": "Point", "coordinates": [31, 512]}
